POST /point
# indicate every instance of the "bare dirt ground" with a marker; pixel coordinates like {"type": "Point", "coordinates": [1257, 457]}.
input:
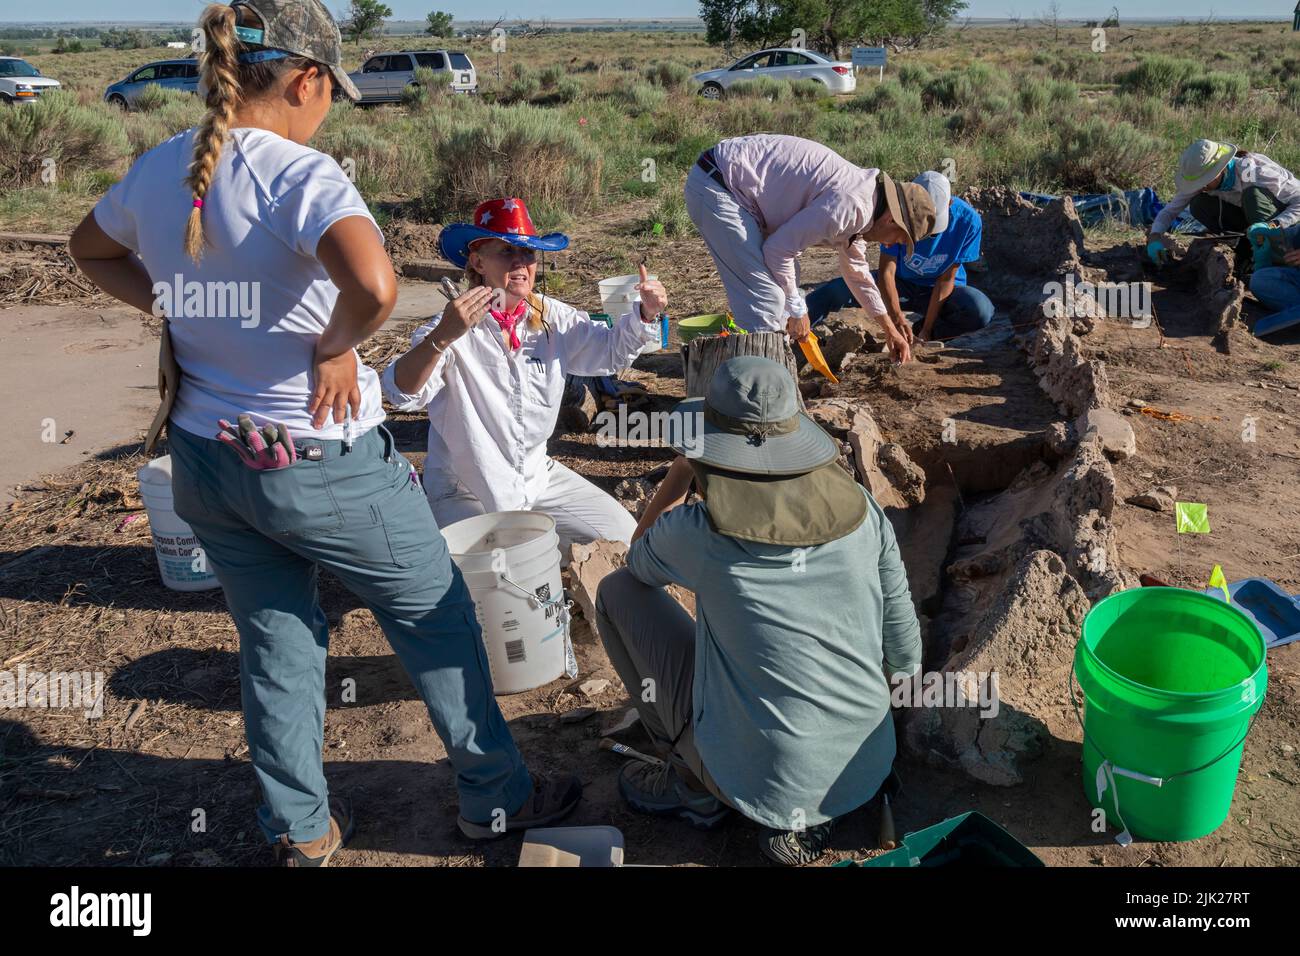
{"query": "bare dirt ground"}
{"type": "Point", "coordinates": [79, 589]}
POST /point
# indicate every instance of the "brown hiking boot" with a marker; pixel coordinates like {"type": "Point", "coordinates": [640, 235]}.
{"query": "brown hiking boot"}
{"type": "Point", "coordinates": [318, 852]}
{"type": "Point", "coordinates": [552, 799]}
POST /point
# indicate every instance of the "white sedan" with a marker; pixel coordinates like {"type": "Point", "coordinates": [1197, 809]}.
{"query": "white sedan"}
{"type": "Point", "coordinates": [780, 64]}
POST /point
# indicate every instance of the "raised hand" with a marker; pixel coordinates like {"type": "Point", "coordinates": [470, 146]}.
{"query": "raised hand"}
{"type": "Point", "coordinates": [654, 298]}
{"type": "Point", "coordinates": [463, 313]}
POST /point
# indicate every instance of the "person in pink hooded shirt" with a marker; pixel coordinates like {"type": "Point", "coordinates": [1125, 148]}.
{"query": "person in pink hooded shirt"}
{"type": "Point", "coordinates": [759, 201]}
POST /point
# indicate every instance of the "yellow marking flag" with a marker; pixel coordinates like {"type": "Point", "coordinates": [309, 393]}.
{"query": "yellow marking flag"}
{"type": "Point", "coordinates": [1192, 518]}
{"type": "Point", "coordinates": [1217, 580]}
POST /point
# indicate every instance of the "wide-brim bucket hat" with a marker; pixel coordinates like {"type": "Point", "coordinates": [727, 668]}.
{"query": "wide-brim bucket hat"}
{"type": "Point", "coordinates": [1201, 163]}
{"type": "Point", "coordinates": [749, 422]}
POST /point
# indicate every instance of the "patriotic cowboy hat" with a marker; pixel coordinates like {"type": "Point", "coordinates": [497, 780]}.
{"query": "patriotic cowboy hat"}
{"type": "Point", "coordinates": [505, 219]}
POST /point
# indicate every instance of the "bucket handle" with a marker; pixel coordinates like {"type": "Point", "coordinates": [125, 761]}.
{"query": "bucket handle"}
{"type": "Point", "coordinates": [533, 599]}
{"type": "Point", "coordinates": [562, 618]}
{"type": "Point", "coordinates": [1135, 775]}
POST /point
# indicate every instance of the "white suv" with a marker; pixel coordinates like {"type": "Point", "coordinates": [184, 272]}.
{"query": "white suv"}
{"type": "Point", "coordinates": [384, 76]}
{"type": "Point", "coordinates": [20, 82]}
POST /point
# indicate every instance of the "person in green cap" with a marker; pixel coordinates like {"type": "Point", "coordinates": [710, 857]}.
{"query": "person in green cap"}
{"type": "Point", "coordinates": [775, 701]}
{"type": "Point", "coordinates": [1230, 190]}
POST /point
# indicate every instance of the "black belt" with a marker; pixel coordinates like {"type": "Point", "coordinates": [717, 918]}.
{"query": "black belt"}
{"type": "Point", "coordinates": [706, 163]}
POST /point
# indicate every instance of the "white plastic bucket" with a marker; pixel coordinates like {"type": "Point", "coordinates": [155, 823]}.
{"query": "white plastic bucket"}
{"type": "Point", "coordinates": [511, 563]}
{"type": "Point", "coordinates": [181, 561]}
{"type": "Point", "coordinates": [618, 294]}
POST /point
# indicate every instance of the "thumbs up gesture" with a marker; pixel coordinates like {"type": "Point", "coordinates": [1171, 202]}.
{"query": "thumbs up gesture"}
{"type": "Point", "coordinates": [654, 299]}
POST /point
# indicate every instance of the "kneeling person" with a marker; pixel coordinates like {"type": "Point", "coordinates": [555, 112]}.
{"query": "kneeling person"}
{"type": "Point", "coordinates": [931, 279]}
{"type": "Point", "coordinates": [493, 389]}
{"type": "Point", "coordinates": [775, 700]}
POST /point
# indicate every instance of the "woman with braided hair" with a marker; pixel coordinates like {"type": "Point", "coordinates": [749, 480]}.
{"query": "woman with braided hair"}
{"type": "Point", "coordinates": [309, 477]}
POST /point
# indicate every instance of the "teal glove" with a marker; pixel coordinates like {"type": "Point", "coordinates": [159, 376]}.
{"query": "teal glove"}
{"type": "Point", "coordinates": [1268, 243]}
{"type": "Point", "coordinates": [1157, 251]}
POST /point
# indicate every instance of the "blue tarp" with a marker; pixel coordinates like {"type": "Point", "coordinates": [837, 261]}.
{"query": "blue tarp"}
{"type": "Point", "coordinates": [1137, 207]}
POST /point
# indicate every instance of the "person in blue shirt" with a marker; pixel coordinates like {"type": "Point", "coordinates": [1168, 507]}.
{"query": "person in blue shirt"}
{"type": "Point", "coordinates": [1276, 281]}
{"type": "Point", "coordinates": [932, 278]}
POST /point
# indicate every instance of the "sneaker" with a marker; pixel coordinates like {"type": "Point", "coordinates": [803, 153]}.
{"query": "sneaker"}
{"type": "Point", "coordinates": [797, 847]}
{"type": "Point", "coordinates": [659, 790]}
{"type": "Point", "coordinates": [318, 852]}
{"type": "Point", "coordinates": [553, 798]}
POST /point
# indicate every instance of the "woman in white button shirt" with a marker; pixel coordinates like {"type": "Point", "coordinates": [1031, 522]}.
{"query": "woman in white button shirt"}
{"type": "Point", "coordinates": [490, 370]}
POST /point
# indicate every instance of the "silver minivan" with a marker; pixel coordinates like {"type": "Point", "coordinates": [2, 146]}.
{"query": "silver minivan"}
{"type": "Point", "coordinates": [384, 76]}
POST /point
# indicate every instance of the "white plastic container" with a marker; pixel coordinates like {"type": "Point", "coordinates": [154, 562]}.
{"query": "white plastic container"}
{"type": "Point", "coordinates": [181, 561]}
{"type": "Point", "coordinates": [618, 294]}
{"type": "Point", "coordinates": [511, 564]}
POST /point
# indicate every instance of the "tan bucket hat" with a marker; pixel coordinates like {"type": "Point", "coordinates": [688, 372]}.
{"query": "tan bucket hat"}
{"type": "Point", "coordinates": [911, 207]}
{"type": "Point", "coordinates": [1201, 163]}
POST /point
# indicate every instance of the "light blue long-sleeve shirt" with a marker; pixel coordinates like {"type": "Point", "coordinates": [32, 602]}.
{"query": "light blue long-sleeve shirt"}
{"type": "Point", "coordinates": [794, 648]}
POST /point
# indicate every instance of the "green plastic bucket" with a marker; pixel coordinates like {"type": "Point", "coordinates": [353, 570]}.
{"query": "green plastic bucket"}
{"type": "Point", "coordinates": [1171, 682]}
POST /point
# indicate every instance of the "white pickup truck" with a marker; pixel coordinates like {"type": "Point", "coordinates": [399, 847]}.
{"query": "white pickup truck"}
{"type": "Point", "coordinates": [20, 82]}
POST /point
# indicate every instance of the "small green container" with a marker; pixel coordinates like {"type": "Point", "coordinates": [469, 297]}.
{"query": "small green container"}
{"type": "Point", "coordinates": [712, 324]}
{"type": "Point", "coordinates": [968, 840]}
{"type": "Point", "coordinates": [1171, 680]}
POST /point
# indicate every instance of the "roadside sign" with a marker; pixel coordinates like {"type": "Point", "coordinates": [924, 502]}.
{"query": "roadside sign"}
{"type": "Point", "coordinates": [870, 56]}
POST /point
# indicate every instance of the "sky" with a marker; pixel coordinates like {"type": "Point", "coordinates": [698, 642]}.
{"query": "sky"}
{"type": "Point", "coordinates": [174, 10]}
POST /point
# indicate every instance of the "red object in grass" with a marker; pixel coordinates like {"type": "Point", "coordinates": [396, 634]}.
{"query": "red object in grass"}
{"type": "Point", "coordinates": [841, 70]}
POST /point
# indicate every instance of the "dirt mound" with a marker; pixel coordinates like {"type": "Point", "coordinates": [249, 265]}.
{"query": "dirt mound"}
{"type": "Point", "coordinates": [1021, 659]}
{"type": "Point", "coordinates": [408, 241]}
{"type": "Point", "coordinates": [1210, 268]}
{"type": "Point", "coordinates": [1026, 561]}
{"type": "Point", "coordinates": [1024, 241]}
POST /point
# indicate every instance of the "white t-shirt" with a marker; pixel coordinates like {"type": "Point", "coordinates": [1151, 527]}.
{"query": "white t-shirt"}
{"type": "Point", "coordinates": [246, 319]}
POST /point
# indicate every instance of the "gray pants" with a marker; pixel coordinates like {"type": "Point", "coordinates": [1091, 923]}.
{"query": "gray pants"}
{"type": "Point", "coordinates": [736, 243]}
{"type": "Point", "coordinates": [650, 640]}
{"type": "Point", "coordinates": [361, 517]}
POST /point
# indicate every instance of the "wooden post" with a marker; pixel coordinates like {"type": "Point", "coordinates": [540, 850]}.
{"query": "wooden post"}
{"type": "Point", "coordinates": [701, 357]}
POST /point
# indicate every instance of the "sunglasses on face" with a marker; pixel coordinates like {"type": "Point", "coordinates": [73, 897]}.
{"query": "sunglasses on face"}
{"type": "Point", "coordinates": [512, 253]}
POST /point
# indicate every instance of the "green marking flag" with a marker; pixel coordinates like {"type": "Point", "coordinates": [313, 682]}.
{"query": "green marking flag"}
{"type": "Point", "coordinates": [657, 229]}
{"type": "Point", "coordinates": [1217, 580]}
{"type": "Point", "coordinates": [1192, 518]}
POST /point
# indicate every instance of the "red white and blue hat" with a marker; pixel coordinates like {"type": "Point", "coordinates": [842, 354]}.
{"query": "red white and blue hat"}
{"type": "Point", "coordinates": [505, 219]}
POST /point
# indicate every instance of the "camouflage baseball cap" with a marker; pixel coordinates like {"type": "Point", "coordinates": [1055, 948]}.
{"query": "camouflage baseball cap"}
{"type": "Point", "coordinates": [303, 28]}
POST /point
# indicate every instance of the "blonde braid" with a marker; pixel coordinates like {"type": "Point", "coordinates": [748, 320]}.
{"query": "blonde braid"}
{"type": "Point", "coordinates": [220, 69]}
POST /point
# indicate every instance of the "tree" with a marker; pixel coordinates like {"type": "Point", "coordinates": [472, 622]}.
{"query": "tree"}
{"type": "Point", "coordinates": [439, 24]}
{"type": "Point", "coordinates": [827, 25]}
{"type": "Point", "coordinates": [365, 19]}
{"type": "Point", "coordinates": [116, 39]}
{"type": "Point", "coordinates": [1051, 17]}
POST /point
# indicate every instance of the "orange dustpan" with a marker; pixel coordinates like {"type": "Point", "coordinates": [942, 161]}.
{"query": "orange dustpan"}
{"type": "Point", "coordinates": [813, 353]}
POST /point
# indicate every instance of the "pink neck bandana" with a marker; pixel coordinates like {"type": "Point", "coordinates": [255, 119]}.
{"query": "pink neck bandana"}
{"type": "Point", "coordinates": [508, 322]}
